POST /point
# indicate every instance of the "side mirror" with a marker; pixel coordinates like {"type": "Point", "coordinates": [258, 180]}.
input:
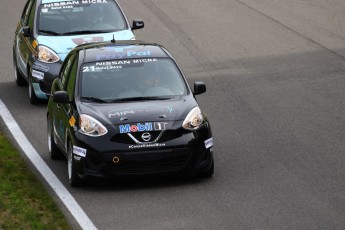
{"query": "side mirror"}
{"type": "Point", "coordinates": [137, 24]}
{"type": "Point", "coordinates": [26, 31]}
{"type": "Point", "coordinates": [60, 97]}
{"type": "Point", "coordinates": [199, 87]}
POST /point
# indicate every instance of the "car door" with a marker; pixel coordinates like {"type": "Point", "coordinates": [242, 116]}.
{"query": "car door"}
{"type": "Point", "coordinates": [24, 49]}
{"type": "Point", "coordinates": [64, 114]}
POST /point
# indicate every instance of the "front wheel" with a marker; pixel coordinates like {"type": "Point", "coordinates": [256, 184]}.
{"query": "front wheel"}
{"type": "Point", "coordinates": [32, 96]}
{"type": "Point", "coordinates": [73, 178]}
{"type": "Point", "coordinates": [20, 80]}
{"type": "Point", "coordinates": [209, 172]}
{"type": "Point", "coordinates": [54, 151]}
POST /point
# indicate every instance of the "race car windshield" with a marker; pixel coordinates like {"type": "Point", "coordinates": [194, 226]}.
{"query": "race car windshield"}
{"type": "Point", "coordinates": [79, 17]}
{"type": "Point", "coordinates": [132, 80]}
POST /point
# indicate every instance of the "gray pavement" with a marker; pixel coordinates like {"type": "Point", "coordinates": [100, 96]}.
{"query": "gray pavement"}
{"type": "Point", "coordinates": [275, 75]}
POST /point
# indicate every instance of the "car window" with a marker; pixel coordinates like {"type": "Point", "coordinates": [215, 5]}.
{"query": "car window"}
{"type": "Point", "coordinates": [31, 18]}
{"type": "Point", "coordinates": [120, 79]}
{"type": "Point", "coordinates": [26, 11]}
{"type": "Point", "coordinates": [70, 86]}
{"type": "Point", "coordinates": [80, 16]}
{"type": "Point", "coordinates": [65, 69]}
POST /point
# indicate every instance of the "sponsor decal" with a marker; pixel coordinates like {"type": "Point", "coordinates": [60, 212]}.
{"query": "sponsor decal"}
{"type": "Point", "coordinates": [140, 109]}
{"type": "Point", "coordinates": [136, 128]}
{"type": "Point", "coordinates": [120, 113]}
{"type": "Point", "coordinates": [100, 68]}
{"type": "Point", "coordinates": [72, 121]}
{"type": "Point", "coordinates": [70, 4]}
{"type": "Point", "coordinates": [153, 145]}
{"type": "Point", "coordinates": [37, 74]}
{"type": "Point", "coordinates": [159, 126]}
{"type": "Point", "coordinates": [144, 60]}
{"type": "Point", "coordinates": [40, 67]}
{"type": "Point", "coordinates": [121, 55]}
{"type": "Point", "coordinates": [139, 127]}
{"type": "Point", "coordinates": [94, 1]}
{"type": "Point", "coordinates": [123, 62]}
{"type": "Point", "coordinates": [83, 40]}
{"type": "Point", "coordinates": [60, 5]}
{"type": "Point", "coordinates": [209, 143]}
{"type": "Point", "coordinates": [110, 65]}
{"type": "Point", "coordinates": [118, 49]}
{"type": "Point", "coordinates": [79, 151]}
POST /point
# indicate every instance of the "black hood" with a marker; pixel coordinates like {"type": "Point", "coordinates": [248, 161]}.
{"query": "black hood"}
{"type": "Point", "coordinates": [133, 112]}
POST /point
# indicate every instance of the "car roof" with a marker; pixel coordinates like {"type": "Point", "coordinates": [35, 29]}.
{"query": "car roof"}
{"type": "Point", "coordinates": [105, 51]}
{"type": "Point", "coordinates": [52, 1]}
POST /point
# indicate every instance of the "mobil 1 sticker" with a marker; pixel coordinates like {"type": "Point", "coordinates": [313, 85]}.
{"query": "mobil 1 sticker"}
{"type": "Point", "coordinates": [143, 127]}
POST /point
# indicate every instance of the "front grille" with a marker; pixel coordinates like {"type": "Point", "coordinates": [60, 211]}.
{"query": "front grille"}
{"type": "Point", "coordinates": [149, 162]}
{"type": "Point", "coordinates": [167, 136]}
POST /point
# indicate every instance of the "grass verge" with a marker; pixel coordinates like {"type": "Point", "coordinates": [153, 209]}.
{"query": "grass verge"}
{"type": "Point", "coordinates": [24, 202]}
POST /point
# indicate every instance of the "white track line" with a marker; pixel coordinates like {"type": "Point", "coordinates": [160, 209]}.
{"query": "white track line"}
{"type": "Point", "coordinates": [60, 190]}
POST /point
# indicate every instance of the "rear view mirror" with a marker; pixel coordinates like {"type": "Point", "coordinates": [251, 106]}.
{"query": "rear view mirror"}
{"type": "Point", "coordinates": [137, 24]}
{"type": "Point", "coordinates": [199, 87]}
{"type": "Point", "coordinates": [60, 97]}
{"type": "Point", "coordinates": [26, 31]}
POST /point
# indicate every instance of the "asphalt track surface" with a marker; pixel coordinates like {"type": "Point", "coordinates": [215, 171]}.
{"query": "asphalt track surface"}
{"type": "Point", "coordinates": [275, 74]}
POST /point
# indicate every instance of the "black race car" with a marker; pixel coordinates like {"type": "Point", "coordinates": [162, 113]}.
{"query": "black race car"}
{"type": "Point", "coordinates": [124, 108]}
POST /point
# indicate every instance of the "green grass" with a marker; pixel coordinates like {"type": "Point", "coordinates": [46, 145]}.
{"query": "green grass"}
{"type": "Point", "coordinates": [24, 202]}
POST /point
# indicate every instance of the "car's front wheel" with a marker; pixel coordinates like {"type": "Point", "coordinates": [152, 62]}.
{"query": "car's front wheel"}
{"type": "Point", "coordinates": [54, 151]}
{"type": "Point", "coordinates": [32, 96]}
{"type": "Point", "coordinates": [20, 80]}
{"type": "Point", "coordinates": [209, 172]}
{"type": "Point", "coordinates": [73, 178]}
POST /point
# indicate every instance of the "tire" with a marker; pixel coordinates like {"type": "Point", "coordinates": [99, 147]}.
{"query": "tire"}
{"type": "Point", "coordinates": [20, 80]}
{"type": "Point", "coordinates": [209, 172]}
{"type": "Point", "coordinates": [32, 96]}
{"type": "Point", "coordinates": [73, 178]}
{"type": "Point", "coordinates": [54, 151]}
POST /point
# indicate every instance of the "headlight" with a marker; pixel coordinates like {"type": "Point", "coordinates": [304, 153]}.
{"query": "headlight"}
{"type": "Point", "coordinates": [194, 120]}
{"type": "Point", "coordinates": [90, 126]}
{"type": "Point", "coordinates": [46, 55]}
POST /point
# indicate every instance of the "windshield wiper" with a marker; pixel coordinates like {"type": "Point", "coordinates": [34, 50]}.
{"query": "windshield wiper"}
{"type": "Point", "coordinates": [86, 32]}
{"type": "Point", "coordinates": [49, 32]}
{"type": "Point", "coordinates": [94, 99]}
{"type": "Point", "coordinates": [140, 99]}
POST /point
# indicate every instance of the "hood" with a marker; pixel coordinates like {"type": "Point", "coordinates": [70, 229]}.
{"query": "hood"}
{"type": "Point", "coordinates": [139, 112]}
{"type": "Point", "coordinates": [64, 44]}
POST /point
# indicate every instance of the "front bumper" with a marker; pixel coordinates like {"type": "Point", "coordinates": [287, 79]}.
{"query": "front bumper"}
{"type": "Point", "coordinates": [43, 75]}
{"type": "Point", "coordinates": [183, 155]}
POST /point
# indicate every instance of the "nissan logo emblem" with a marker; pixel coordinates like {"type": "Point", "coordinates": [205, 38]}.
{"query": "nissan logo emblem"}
{"type": "Point", "coordinates": [146, 136]}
